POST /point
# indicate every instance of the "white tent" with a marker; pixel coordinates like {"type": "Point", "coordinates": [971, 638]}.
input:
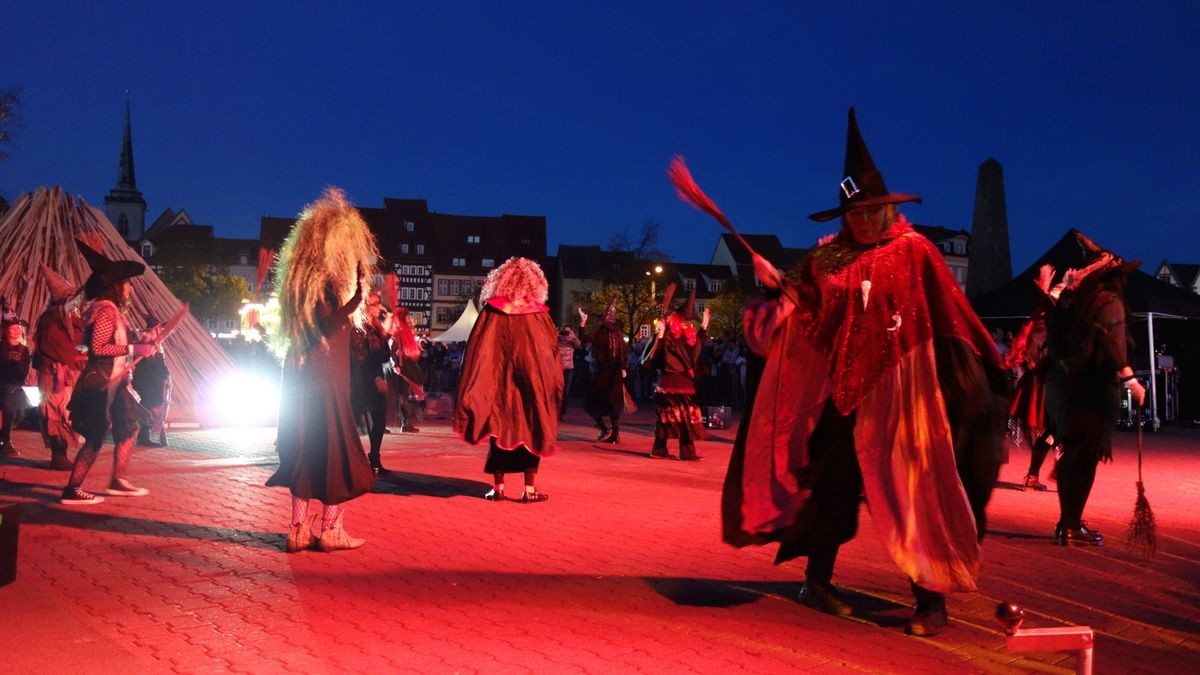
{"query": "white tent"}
{"type": "Point", "coordinates": [461, 330]}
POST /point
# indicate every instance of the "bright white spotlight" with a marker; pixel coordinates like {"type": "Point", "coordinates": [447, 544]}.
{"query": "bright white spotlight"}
{"type": "Point", "coordinates": [246, 400]}
{"type": "Point", "coordinates": [34, 395]}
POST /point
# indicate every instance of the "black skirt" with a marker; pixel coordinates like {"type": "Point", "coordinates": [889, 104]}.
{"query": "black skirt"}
{"type": "Point", "coordinates": [519, 460]}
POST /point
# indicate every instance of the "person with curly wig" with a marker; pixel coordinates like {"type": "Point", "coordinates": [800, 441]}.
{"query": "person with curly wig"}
{"type": "Point", "coordinates": [321, 274]}
{"type": "Point", "coordinates": [512, 385]}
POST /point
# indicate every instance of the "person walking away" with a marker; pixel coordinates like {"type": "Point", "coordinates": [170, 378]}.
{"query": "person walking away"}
{"type": "Point", "coordinates": [512, 387]}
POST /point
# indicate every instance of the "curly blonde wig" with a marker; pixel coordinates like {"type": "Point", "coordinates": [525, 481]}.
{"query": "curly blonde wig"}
{"type": "Point", "coordinates": [327, 251]}
{"type": "Point", "coordinates": [516, 279]}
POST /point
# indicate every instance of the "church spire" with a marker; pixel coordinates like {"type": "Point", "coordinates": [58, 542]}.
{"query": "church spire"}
{"type": "Point", "coordinates": [124, 205]}
{"type": "Point", "coordinates": [125, 176]}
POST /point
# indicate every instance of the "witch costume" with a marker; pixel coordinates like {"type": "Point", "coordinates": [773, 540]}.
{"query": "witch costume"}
{"type": "Point", "coordinates": [103, 398]}
{"type": "Point", "coordinates": [674, 354]}
{"type": "Point", "coordinates": [605, 396]}
{"type": "Point", "coordinates": [320, 454]}
{"type": "Point", "coordinates": [512, 385]}
{"type": "Point", "coordinates": [1088, 344]}
{"type": "Point", "coordinates": [58, 362]}
{"type": "Point", "coordinates": [878, 381]}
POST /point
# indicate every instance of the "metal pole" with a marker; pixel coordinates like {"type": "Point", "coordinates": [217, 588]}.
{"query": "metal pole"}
{"type": "Point", "coordinates": [1153, 380]}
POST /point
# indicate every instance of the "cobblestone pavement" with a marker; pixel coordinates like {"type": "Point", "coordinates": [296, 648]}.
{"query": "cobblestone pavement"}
{"type": "Point", "coordinates": [622, 570]}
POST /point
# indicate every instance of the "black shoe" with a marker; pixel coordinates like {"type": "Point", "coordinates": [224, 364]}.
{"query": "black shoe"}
{"type": "Point", "coordinates": [528, 497]}
{"type": "Point", "coordinates": [600, 436]}
{"type": "Point", "coordinates": [494, 495]}
{"type": "Point", "coordinates": [929, 617]}
{"type": "Point", "coordinates": [613, 438]}
{"type": "Point", "coordinates": [1032, 483]}
{"type": "Point", "coordinates": [692, 457]}
{"type": "Point", "coordinates": [1077, 536]}
{"type": "Point", "coordinates": [927, 621]}
{"type": "Point", "coordinates": [823, 597]}
{"type": "Point", "coordinates": [410, 429]}
{"type": "Point", "coordinates": [78, 497]}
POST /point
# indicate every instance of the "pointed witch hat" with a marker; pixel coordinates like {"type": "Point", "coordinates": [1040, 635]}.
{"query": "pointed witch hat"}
{"type": "Point", "coordinates": [862, 184]}
{"type": "Point", "coordinates": [105, 272]}
{"type": "Point", "coordinates": [61, 290]}
{"type": "Point", "coordinates": [687, 310]}
{"type": "Point", "coordinates": [668, 296]}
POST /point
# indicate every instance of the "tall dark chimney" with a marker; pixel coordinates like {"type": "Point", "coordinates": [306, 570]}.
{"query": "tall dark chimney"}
{"type": "Point", "coordinates": [989, 262]}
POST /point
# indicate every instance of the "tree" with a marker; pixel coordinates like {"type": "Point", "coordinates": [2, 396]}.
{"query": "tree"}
{"type": "Point", "coordinates": [627, 277]}
{"type": "Point", "coordinates": [10, 118]}
{"type": "Point", "coordinates": [725, 312]}
{"type": "Point", "coordinates": [213, 292]}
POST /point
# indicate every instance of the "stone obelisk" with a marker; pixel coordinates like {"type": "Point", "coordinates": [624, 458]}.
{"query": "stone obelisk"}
{"type": "Point", "coordinates": [989, 261]}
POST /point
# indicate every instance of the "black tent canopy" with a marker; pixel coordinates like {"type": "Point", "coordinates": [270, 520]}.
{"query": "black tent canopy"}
{"type": "Point", "coordinates": [1145, 297]}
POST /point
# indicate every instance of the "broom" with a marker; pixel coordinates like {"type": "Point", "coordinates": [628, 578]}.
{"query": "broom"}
{"type": "Point", "coordinates": [690, 192]}
{"type": "Point", "coordinates": [1140, 537]}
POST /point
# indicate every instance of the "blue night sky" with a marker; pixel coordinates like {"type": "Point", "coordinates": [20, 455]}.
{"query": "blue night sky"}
{"type": "Point", "coordinates": [573, 111]}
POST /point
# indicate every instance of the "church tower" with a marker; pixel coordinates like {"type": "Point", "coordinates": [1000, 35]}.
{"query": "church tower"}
{"type": "Point", "coordinates": [989, 261]}
{"type": "Point", "coordinates": [124, 205]}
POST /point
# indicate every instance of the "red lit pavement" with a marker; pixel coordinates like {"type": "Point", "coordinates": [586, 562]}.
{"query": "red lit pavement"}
{"type": "Point", "coordinates": [621, 571]}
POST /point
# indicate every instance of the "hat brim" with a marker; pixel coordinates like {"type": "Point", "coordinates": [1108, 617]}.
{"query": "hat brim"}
{"type": "Point", "coordinates": [114, 272]}
{"type": "Point", "coordinates": [893, 198]}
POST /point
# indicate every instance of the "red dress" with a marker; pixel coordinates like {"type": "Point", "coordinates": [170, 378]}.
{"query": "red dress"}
{"type": "Point", "coordinates": [320, 454]}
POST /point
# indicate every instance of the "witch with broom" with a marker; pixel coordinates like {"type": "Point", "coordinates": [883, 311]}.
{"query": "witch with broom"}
{"type": "Point", "coordinates": [879, 380]}
{"type": "Point", "coordinates": [1088, 344]}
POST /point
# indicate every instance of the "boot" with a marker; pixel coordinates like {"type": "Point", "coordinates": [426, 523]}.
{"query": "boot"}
{"type": "Point", "coordinates": [688, 453]}
{"type": "Point", "coordinates": [143, 439]}
{"type": "Point", "coordinates": [58, 456]}
{"type": "Point", "coordinates": [930, 616]}
{"type": "Point", "coordinates": [337, 539]}
{"type": "Point", "coordinates": [376, 462]}
{"type": "Point", "coordinates": [615, 436]}
{"type": "Point", "coordinates": [603, 429]}
{"type": "Point", "coordinates": [162, 437]}
{"type": "Point", "coordinates": [300, 536]}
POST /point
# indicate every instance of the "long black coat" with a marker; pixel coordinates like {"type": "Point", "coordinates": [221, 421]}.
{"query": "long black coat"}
{"type": "Point", "coordinates": [320, 454]}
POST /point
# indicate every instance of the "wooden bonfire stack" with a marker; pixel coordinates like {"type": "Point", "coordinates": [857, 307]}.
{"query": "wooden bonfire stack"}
{"type": "Point", "coordinates": [41, 228]}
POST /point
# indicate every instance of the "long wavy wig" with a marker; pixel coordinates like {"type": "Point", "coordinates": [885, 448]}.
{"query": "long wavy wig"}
{"type": "Point", "coordinates": [322, 259]}
{"type": "Point", "coordinates": [516, 279]}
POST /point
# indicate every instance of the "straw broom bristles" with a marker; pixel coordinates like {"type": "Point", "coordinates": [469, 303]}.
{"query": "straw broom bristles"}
{"type": "Point", "coordinates": [41, 227]}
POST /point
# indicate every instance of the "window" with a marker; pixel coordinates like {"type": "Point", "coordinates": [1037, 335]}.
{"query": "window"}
{"type": "Point", "coordinates": [699, 308]}
{"type": "Point", "coordinates": [444, 315]}
{"type": "Point", "coordinates": [420, 249]}
{"type": "Point", "coordinates": [489, 262]}
{"type": "Point", "coordinates": [443, 287]}
{"type": "Point", "coordinates": [455, 285]}
{"type": "Point", "coordinates": [472, 239]}
{"type": "Point", "coordinates": [960, 247]}
{"type": "Point", "coordinates": [714, 286]}
{"type": "Point", "coordinates": [689, 284]}
{"type": "Point", "coordinates": [404, 248]}
{"type": "Point", "coordinates": [408, 225]}
{"type": "Point", "coordinates": [148, 250]}
{"type": "Point", "coordinates": [459, 262]}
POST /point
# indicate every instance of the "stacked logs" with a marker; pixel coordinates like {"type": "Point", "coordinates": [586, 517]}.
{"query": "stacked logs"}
{"type": "Point", "coordinates": [41, 228]}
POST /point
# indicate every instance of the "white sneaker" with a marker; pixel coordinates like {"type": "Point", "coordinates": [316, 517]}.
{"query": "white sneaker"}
{"type": "Point", "coordinates": [123, 488]}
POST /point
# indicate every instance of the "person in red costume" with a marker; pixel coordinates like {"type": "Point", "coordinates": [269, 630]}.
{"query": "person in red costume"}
{"type": "Point", "coordinates": [58, 363]}
{"type": "Point", "coordinates": [512, 385]}
{"type": "Point", "coordinates": [878, 381]}
{"type": "Point", "coordinates": [674, 353]}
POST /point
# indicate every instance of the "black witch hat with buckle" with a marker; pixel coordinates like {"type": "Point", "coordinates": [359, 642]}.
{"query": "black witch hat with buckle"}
{"type": "Point", "coordinates": [862, 184]}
